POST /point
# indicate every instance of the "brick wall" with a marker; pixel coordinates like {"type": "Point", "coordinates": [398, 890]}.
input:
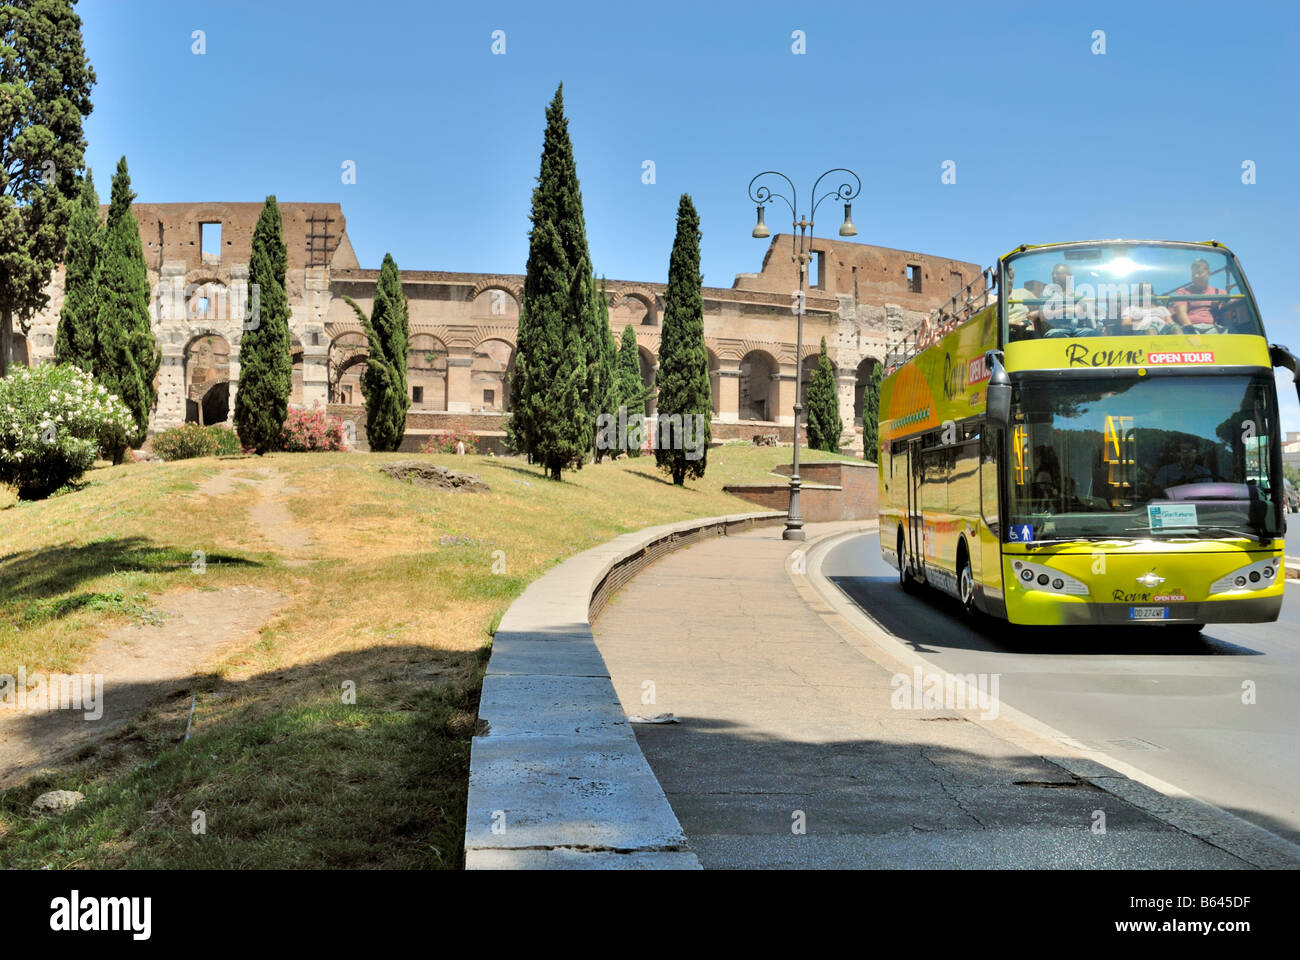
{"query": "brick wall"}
{"type": "Point", "coordinates": [844, 491]}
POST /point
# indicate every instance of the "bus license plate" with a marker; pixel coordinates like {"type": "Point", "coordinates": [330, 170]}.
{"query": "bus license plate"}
{"type": "Point", "coordinates": [1148, 613]}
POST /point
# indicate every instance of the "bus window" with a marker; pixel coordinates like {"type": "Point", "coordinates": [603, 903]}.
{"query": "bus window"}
{"type": "Point", "coordinates": [1101, 457]}
{"type": "Point", "coordinates": [1126, 288]}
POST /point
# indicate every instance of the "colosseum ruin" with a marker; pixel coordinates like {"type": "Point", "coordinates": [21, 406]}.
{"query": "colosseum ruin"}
{"type": "Point", "coordinates": [463, 325]}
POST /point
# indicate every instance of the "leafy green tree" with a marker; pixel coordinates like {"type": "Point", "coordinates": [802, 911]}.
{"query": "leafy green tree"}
{"type": "Point", "coordinates": [632, 394]}
{"type": "Point", "coordinates": [126, 356]}
{"type": "Point", "coordinates": [685, 402]}
{"type": "Point", "coordinates": [384, 381]}
{"type": "Point", "coordinates": [45, 83]}
{"type": "Point", "coordinates": [552, 390]}
{"type": "Point", "coordinates": [871, 416]}
{"type": "Point", "coordinates": [823, 408]}
{"type": "Point", "coordinates": [74, 341]}
{"type": "Point", "coordinates": [265, 349]}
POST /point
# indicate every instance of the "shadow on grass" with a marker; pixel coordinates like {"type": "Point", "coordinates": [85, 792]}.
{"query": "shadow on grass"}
{"type": "Point", "coordinates": [290, 776]}
{"type": "Point", "coordinates": [533, 472]}
{"type": "Point", "coordinates": [44, 575]}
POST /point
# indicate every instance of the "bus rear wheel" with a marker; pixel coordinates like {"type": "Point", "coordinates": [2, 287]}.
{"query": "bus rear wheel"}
{"type": "Point", "coordinates": [904, 568]}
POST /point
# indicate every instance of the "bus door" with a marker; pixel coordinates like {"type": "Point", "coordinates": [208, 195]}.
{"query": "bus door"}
{"type": "Point", "coordinates": [915, 519]}
{"type": "Point", "coordinates": [990, 512]}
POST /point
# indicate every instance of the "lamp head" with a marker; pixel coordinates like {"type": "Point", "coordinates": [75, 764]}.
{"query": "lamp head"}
{"type": "Point", "coordinates": [847, 229]}
{"type": "Point", "coordinates": [760, 228]}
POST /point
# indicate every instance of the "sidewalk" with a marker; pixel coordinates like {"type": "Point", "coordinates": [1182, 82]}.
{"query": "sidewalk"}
{"type": "Point", "coordinates": [785, 723]}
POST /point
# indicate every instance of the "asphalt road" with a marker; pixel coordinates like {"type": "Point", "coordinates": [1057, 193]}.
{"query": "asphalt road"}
{"type": "Point", "coordinates": [1171, 708]}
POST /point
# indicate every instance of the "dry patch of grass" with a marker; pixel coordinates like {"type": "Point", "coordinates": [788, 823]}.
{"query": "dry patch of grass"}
{"type": "Point", "coordinates": [394, 599]}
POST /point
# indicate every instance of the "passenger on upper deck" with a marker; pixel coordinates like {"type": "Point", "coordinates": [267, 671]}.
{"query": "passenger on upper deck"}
{"type": "Point", "coordinates": [1197, 316]}
{"type": "Point", "coordinates": [1144, 315]}
{"type": "Point", "coordinates": [1019, 325]}
{"type": "Point", "coordinates": [1065, 314]}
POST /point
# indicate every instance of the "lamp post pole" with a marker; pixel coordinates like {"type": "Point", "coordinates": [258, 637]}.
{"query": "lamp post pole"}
{"type": "Point", "coordinates": [801, 254]}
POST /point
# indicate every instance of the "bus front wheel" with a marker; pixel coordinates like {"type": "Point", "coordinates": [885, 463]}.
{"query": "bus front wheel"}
{"type": "Point", "coordinates": [966, 585]}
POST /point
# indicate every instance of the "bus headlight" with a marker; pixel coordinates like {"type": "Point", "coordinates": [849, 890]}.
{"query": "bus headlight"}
{"type": "Point", "coordinates": [1254, 576]}
{"type": "Point", "coordinates": [1034, 576]}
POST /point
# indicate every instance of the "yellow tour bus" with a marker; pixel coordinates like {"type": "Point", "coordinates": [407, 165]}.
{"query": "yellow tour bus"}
{"type": "Point", "coordinates": [1088, 433]}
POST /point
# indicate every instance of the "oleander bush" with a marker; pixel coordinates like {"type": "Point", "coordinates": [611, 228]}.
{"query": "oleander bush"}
{"type": "Point", "coordinates": [227, 440]}
{"type": "Point", "coordinates": [307, 430]}
{"type": "Point", "coordinates": [54, 421]}
{"type": "Point", "coordinates": [191, 440]}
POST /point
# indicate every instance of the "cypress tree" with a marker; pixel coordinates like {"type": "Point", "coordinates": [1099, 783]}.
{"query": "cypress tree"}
{"type": "Point", "coordinates": [823, 408]}
{"type": "Point", "coordinates": [265, 354]}
{"type": "Point", "coordinates": [552, 392]}
{"type": "Point", "coordinates": [871, 417]}
{"type": "Point", "coordinates": [126, 355]}
{"type": "Point", "coordinates": [74, 341]}
{"type": "Point", "coordinates": [683, 359]}
{"type": "Point", "coordinates": [384, 381]}
{"type": "Point", "coordinates": [606, 390]}
{"type": "Point", "coordinates": [631, 392]}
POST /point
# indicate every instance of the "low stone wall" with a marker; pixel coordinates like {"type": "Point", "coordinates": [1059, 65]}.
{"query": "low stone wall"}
{"type": "Point", "coordinates": [557, 779]}
{"type": "Point", "coordinates": [748, 429]}
{"type": "Point", "coordinates": [491, 428]}
{"type": "Point", "coordinates": [829, 490]}
{"type": "Point", "coordinates": [484, 441]}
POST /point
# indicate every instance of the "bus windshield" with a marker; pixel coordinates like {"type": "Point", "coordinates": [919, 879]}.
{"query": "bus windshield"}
{"type": "Point", "coordinates": [1143, 457]}
{"type": "Point", "coordinates": [1125, 288]}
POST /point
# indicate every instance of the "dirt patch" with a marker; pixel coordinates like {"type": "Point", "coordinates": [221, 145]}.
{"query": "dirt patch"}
{"type": "Point", "coordinates": [270, 514]}
{"type": "Point", "coordinates": [431, 475]}
{"type": "Point", "coordinates": [221, 484]}
{"type": "Point", "coordinates": [141, 664]}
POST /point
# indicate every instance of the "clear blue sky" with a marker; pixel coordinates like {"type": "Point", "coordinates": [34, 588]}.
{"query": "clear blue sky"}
{"type": "Point", "coordinates": [1050, 141]}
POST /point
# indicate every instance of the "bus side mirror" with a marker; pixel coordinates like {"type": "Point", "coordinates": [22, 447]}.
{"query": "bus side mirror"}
{"type": "Point", "coordinates": [1280, 356]}
{"type": "Point", "coordinates": [998, 396]}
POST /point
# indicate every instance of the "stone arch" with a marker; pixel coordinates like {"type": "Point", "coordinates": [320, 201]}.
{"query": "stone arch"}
{"type": "Point", "coordinates": [295, 354]}
{"type": "Point", "coordinates": [426, 372]}
{"type": "Point", "coordinates": [347, 358]}
{"type": "Point", "coordinates": [863, 380]}
{"type": "Point", "coordinates": [809, 368]}
{"type": "Point", "coordinates": [490, 371]}
{"type": "Point", "coordinates": [208, 300]}
{"type": "Point", "coordinates": [495, 302]}
{"type": "Point", "coordinates": [635, 308]}
{"type": "Point", "coordinates": [499, 283]}
{"type": "Point", "coordinates": [715, 385]}
{"type": "Point", "coordinates": [648, 363]}
{"type": "Point", "coordinates": [19, 354]}
{"type": "Point", "coordinates": [759, 386]}
{"type": "Point", "coordinates": [207, 379]}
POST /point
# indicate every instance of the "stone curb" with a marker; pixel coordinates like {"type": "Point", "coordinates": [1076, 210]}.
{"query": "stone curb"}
{"type": "Point", "coordinates": [556, 777]}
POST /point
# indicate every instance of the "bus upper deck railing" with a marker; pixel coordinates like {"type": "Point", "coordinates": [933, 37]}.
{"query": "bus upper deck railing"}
{"type": "Point", "coordinates": [963, 305]}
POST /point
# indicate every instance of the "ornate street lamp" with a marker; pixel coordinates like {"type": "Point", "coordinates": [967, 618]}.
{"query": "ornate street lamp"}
{"type": "Point", "coordinates": [801, 254]}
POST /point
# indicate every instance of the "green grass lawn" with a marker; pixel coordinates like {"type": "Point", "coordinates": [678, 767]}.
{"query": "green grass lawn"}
{"type": "Point", "coordinates": [396, 594]}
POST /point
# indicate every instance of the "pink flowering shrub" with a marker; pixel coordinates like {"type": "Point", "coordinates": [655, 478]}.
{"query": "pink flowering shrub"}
{"type": "Point", "coordinates": [447, 442]}
{"type": "Point", "coordinates": [312, 429]}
